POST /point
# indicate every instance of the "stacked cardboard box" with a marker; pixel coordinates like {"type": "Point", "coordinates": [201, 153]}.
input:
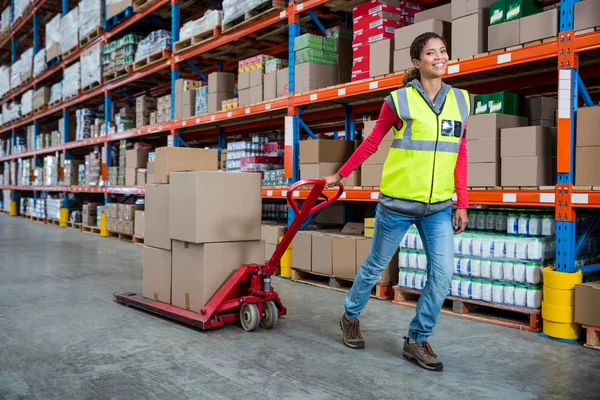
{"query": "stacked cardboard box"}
{"type": "Point", "coordinates": [272, 68]}
{"type": "Point", "coordinates": [144, 105]}
{"type": "Point", "coordinates": [120, 217]}
{"type": "Point", "coordinates": [114, 7]}
{"type": "Point", "coordinates": [526, 156]}
{"type": "Point", "coordinates": [586, 15]}
{"type": "Point", "coordinates": [139, 223]}
{"type": "Point", "coordinates": [505, 22]}
{"type": "Point", "coordinates": [499, 103]}
{"type": "Point", "coordinates": [324, 157]}
{"type": "Point", "coordinates": [483, 147]}
{"type": "Point", "coordinates": [125, 119]}
{"type": "Point", "coordinates": [372, 168]}
{"type": "Point", "coordinates": [587, 153]}
{"type": "Point", "coordinates": [185, 98]}
{"type": "Point", "coordinates": [41, 97]}
{"type": "Point", "coordinates": [404, 37]}
{"type": "Point", "coordinates": [221, 87]}
{"type": "Point", "coordinates": [163, 110]}
{"type": "Point", "coordinates": [374, 21]}
{"type": "Point", "coordinates": [251, 79]}
{"type": "Point", "coordinates": [53, 32]}
{"type": "Point", "coordinates": [134, 161]}
{"type": "Point", "coordinates": [150, 171]}
{"type": "Point", "coordinates": [270, 234]}
{"type": "Point", "coordinates": [470, 20]}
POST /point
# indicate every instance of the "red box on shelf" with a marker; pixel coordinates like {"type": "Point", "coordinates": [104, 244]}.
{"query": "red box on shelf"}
{"type": "Point", "coordinates": [365, 37]}
{"type": "Point", "coordinates": [361, 51]}
{"type": "Point", "coordinates": [258, 163]}
{"type": "Point", "coordinates": [374, 21]}
{"type": "Point", "coordinates": [375, 6]}
{"type": "Point", "coordinates": [410, 8]}
{"type": "Point", "coordinates": [361, 64]}
{"type": "Point", "coordinates": [274, 149]}
{"type": "Point", "coordinates": [359, 76]}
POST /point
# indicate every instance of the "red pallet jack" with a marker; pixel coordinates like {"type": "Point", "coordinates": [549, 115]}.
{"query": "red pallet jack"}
{"type": "Point", "coordinates": [247, 296]}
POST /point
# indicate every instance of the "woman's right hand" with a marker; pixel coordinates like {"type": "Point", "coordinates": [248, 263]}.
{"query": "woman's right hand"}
{"type": "Point", "coordinates": [331, 181]}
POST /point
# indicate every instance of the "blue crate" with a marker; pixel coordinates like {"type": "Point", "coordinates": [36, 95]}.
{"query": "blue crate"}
{"type": "Point", "coordinates": [118, 19]}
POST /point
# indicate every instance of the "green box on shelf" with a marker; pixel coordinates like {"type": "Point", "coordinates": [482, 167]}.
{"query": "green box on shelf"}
{"type": "Point", "coordinates": [498, 12]}
{"type": "Point", "coordinates": [330, 45]}
{"type": "Point", "coordinates": [516, 9]}
{"type": "Point", "coordinates": [338, 32]}
{"type": "Point", "coordinates": [308, 41]}
{"type": "Point", "coordinates": [505, 103]}
{"type": "Point", "coordinates": [316, 56]}
{"type": "Point", "coordinates": [482, 104]}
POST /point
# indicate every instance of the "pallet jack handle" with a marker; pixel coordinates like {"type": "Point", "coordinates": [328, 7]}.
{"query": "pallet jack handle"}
{"type": "Point", "coordinates": [302, 214]}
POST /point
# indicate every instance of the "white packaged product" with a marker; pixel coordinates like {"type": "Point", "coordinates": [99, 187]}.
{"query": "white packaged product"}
{"type": "Point", "coordinates": [509, 294]}
{"type": "Point", "coordinates": [510, 249]}
{"type": "Point", "coordinates": [20, 6]}
{"type": "Point", "coordinates": [403, 259]}
{"type": "Point", "coordinates": [476, 267]}
{"type": "Point", "coordinates": [497, 270]}
{"type": "Point", "coordinates": [39, 63]}
{"type": "Point", "coordinates": [535, 249]}
{"type": "Point", "coordinates": [499, 247]}
{"type": "Point", "coordinates": [519, 272]}
{"type": "Point", "coordinates": [535, 225]}
{"type": "Point", "coordinates": [465, 266]}
{"type": "Point", "coordinates": [533, 273]}
{"type": "Point", "coordinates": [410, 279]}
{"type": "Point", "coordinates": [412, 240]}
{"type": "Point", "coordinates": [465, 288]}
{"type": "Point", "coordinates": [508, 271]}
{"type": "Point", "coordinates": [4, 80]}
{"type": "Point", "coordinates": [419, 243]}
{"type": "Point", "coordinates": [210, 20]}
{"type": "Point", "coordinates": [91, 66]}
{"type": "Point", "coordinates": [456, 266]}
{"type": "Point", "coordinates": [490, 221]}
{"type": "Point", "coordinates": [512, 224]}
{"type": "Point", "coordinates": [498, 292]}
{"type": "Point", "coordinates": [501, 222]}
{"type": "Point", "coordinates": [520, 295]}
{"type": "Point", "coordinates": [69, 30]}
{"type": "Point", "coordinates": [233, 9]}
{"type": "Point", "coordinates": [422, 261]}
{"type": "Point", "coordinates": [465, 248]}
{"type": "Point", "coordinates": [481, 220]}
{"type": "Point", "coordinates": [548, 225]}
{"type": "Point", "coordinates": [487, 247]}
{"type": "Point", "coordinates": [476, 246]}
{"type": "Point", "coordinates": [523, 225]}
{"type": "Point", "coordinates": [27, 102]}
{"type": "Point", "coordinates": [71, 81]}
{"type": "Point", "coordinates": [5, 21]}
{"type": "Point", "coordinates": [26, 64]}
{"type": "Point", "coordinates": [412, 260]}
{"type": "Point", "coordinates": [15, 74]}
{"type": "Point", "coordinates": [402, 278]}
{"type": "Point", "coordinates": [153, 43]}
{"type": "Point", "coordinates": [456, 286]}
{"type": "Point", "coordinates": [91, 16]}
{"type": "Point", "coordinates": [476, 289]}
{"type": "Point", "coordinates": [521, 248]}
{"type": "Point", "coordinates": [56, 92]}
{"type": "Point", "coordinates": [457, 244]}
{"type": "Point", "coordinates": [419, 280]}
{"type": "Point", "coordinates": [486, 291]}
{"type": "Point", "coordinates": [403, 243]}
{"type": "Point", "coordinates": [53, 31]}
{"type": "Point", "coordinates": [534, 296]}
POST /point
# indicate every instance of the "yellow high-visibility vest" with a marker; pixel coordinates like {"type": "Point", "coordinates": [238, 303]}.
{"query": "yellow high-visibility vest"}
{"type": "Point", "coordinates": [420, 164]}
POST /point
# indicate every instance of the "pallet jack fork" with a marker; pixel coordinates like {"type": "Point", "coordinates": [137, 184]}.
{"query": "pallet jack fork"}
{"type": "Point", "coordinates": [247, 296]}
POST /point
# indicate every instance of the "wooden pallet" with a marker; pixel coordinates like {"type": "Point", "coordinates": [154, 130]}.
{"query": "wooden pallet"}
{"type": "Point", "coordinates": [52, 221]}
{"type": "Point", "coordinates": [91, 87]}
{"type": "Point", "coordinates": [40, 109]}
{"type": "Point", "coordinates": [250, 16]}
{"type": "Point", "coordinates": [138, 240]}
{"type": "Point", "coordinates": [71, 97]}
{"type": "Point", "coordinates": [118, 74]}
{"type": "Point", "coordinates": [592, 337]}
{"type": "Point", "coordinates": [381, 291]}
{"type": "Point", "coordinates": [141, 5]}
{"type": "Point", "coordinates": [120, 236]}
{"type": "Point", "coordinates": [71, 51]}
{"type": "Point", "coordinates": [197, 40]}
{"type": "Point", "coordinates": [498, 314]}
{"type": "Point", "coordinates": [55, 104]}
{"type": "Point", "coordinates": [90, 229]}
{"type": "Point", "coordinates": [586, 188]}
{"type": "Point", "coordinates": [26, 116]}
{"type": "Point", "coordinates": [151, 60]}
{"type": "Point", "coordinates": [37, 219]}
{"type": "Point", "coordinates": [74, 225]}
{"type": "Point", "coordinates": [589, 30]}
{"type": "Point", "coordinates": [90, 37]}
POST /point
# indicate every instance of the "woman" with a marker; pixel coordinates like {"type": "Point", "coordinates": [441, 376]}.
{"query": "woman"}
{"type": "Point", "coordinates": [426, 163]}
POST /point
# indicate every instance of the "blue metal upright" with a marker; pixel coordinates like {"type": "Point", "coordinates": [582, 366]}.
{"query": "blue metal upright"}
{"type": "Point", "coordinates": [292, 139]}
{"type": "Point", "coordinates": [175, 15]}
{"type": "Point", "coordinates": [65, 7]}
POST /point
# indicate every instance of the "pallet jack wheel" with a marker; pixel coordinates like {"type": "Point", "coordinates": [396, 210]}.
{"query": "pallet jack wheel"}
{"type": "Point", "coordinates": [270, 315]}
{"type": "Point", "coordinates": [249, 316]}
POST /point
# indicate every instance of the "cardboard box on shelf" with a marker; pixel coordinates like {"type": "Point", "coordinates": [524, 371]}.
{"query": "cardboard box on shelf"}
{"type": "Point", "coordinates": [484, 174]}
{"type": "Point", "coordinates": [370, 175]}
{"type": "Point", "coordinates": [404, 36]}
{"type": "Point", "coordinates": [136, 158]}
{"type": "Point", "coordinates": [223, 82]}
{"type": "Point", "coordinates": [302, 250]}
{"type": "Point", "coordinates": [368, 128]}
{"type": "Point", "coordinates": [587, 126]}
{"type": "Point", "coordinates": [470, 34]}
{"type": "Point", "coordinates": [53, 52]}
{"type": "Point", "coordinates": [130, 176]}
{"type": "Point", "coordinates": [156, 216]}
{"type": "Point", "coordinates": [331, 215]}
{"type": "Point", "coordinates": [539, 26]}
{"type": "Point", "coordinates": [483, 150]}
{"type": "Point", "coordinates": [244, 81]}
{"type": "Point", "coordinates": [498, 12]}
{"type": "Point", "coordinates": [542, 108]}
{"type": "Point", "coordinates": [230, 211]}
{"type": "Point", "coordinates": [269, 251]}
{"type": "Point", "coordinates": [140, 178]}
{"type": "Point", "coordinates": [443, 13]}
{"type": "Point", "coordinates": [116, 8]}
{"type": "Point", "coordinates": [312, 76]}
{"type": "Point", "coordinates": [381, 60]}
{"type": "Point", "coordinates": [174, 159]}
{"type": "Point", "coordinates": [313, 151]}
{"type": "Point", "coordinates": [525, 142]}
{"type": "Point", "coordinates": [321, 253]}
{"type": "Point", "coordinates": [587, 298]}
{"type": "Point", "coordinates": [463, 8]}
{"type": "Point", "coordinates": [199, 270]}
{"type": "Point", "coordinates": [244, 97]}
{"type": "Point", "coordinates": [320, 170]}
{"type": "Point", "coordinates": [504, 35]}
{"type": "Point", "coordinates": [402, 60]}
{"type": "Point", "coordinates": [257, 77]}
{"type": "Point", "coordinates": [138, 229]}
{"type": "Point", "coordinates": [256, 94]}
{"type": "Point", "coordinates": [270, 233]}
{"type": "Point", "coordinates": [526, 171]}
{"type": "Point", "coordinates": [89, 214]}
{"type": "Point", "coordinates": [382, 152]}
{"type": "Point", "coordinates": [156, 280]}
{"type": "Point", "coordinates": [282, 82]}
{"type": "Point", "coordinates": [127, 211]}
{"type": "Point", "coordinates": [488, 126]}
{"type": "Point", "coordinates": [586, 14]}
{"type": "Point", "coordinates": [270, 88]}
{"type": "Point", "coordinates": [343, 256]}
{"type": "Point", "coordinates": [363, 247]}
{"type": "Point", "coordinates": [215, 100]}
{"type": "Point", "coordinates": [184, 98]}
{"type": "Point", "coordinates": [516, 9]}
{"type": "Point", "coordinates": [587, 165]}
{"type": "Point", "coordinates": [506, 103]}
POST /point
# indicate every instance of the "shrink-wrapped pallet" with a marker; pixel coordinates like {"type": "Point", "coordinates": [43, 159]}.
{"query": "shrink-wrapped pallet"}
{"type": "Point", "coordinates": [39, 63]}
{"type": "Point", "coordinates": [69, 30]}
{"type": "Point", "coordinates": [91, 66]}
{"type": "Point", "coordinates": [91, 16]}
{"type": "Point", "coordinates": [71, 81]}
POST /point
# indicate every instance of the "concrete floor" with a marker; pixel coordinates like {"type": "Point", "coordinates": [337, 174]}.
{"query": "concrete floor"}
{"type": "Point", "coordinates": [63, 337]}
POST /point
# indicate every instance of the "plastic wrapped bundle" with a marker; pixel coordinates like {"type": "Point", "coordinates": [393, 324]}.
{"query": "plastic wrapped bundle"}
{"type": "Point", "coordinates": [153, 43]}
{"type": "Point", "coordinates": [5, 19]}
{"type": "Point", "coordinates": [20, 7]}
{"type": "Point", "coordinates": [27, 102]}
{"type": "Point", "coordinates": [91, 16]}
{"type": "Point", "coordinates": [53, 31]}
{"type": "Point", "coordinates": [15, 74]}
{"type": "Point", "coordinates": [210, 20]}
{"type": "Point", "coordinates": [39, 63]}
{"type": "Point", "coordinates": [236, 8]}
{"type": "Point", "coordinates": [26, 64]}
{"type": "Point", "coordinates": [72, 81]}
{"type": "Point", "coordinates": [91, 66]}
{"type": "Point", "coordinates": [4, 80]}
{"type": "Point", "coordinates": [56, 92]}
{"type": "Point", "coordinates": [69, 30]}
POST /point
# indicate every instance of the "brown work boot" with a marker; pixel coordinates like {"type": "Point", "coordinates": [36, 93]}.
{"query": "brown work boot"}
{"type": "Point", "coordinates": [351, 329]}
{"type": "Point", "coordinates": [422, 353]}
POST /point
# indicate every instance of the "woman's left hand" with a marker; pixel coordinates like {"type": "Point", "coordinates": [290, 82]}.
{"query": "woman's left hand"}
{"type": "Point", "coordinates": [460, 220]}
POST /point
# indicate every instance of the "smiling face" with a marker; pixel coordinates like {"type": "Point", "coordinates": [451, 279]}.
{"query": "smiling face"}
{"type": "Point", "coordinates": [433, 59]}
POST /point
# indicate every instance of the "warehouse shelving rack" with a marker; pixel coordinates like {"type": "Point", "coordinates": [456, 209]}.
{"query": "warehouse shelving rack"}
{"type": "Point", "coordinates": [553, 64]}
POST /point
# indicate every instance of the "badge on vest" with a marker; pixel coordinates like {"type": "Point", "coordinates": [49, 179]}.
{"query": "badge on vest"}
{"type": "Point", "coordinates": [451, 128]}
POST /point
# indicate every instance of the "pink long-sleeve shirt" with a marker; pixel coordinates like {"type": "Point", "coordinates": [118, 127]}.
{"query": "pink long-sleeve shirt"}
{"type": "Point", "coordinates": [387, 119]}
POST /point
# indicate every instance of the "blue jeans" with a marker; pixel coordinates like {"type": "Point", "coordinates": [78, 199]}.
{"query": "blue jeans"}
{"type": "Point", "coordinates": [437, 233]}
